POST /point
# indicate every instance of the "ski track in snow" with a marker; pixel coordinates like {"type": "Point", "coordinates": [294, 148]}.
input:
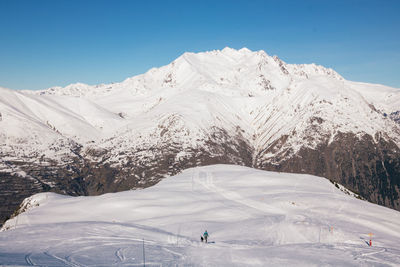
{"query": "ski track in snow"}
{"type": "Point", "coordinates": [28, 259]}
{"type": "Point", "coordinates": [254, 218]}
{"type": "Point", "coordinates": [373, 253]}
{"type": "Point", "coordinates": [209, 184]}
{"type": "Point", "coordinates": [119, 254]}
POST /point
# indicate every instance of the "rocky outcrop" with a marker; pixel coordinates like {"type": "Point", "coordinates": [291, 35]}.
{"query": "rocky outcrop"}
{"type": "Point", "coordinates": [14, 189]}
{"type": "Point", "coordinates": [395, 116]}
{"type": "Point", "coordinates": [93, 173]}
{"type": "Point", "coordinates": [369, 166]}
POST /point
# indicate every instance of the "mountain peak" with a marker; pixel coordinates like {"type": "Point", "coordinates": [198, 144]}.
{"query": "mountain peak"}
{"type": "Point", "coordinates": [233, 52]}
{"type": "Point", "coordinates": [244, 50]}
{"type": "Point", "coordinates": [233, 71]}
{"type": "Point", "coordinates": [235, 106]}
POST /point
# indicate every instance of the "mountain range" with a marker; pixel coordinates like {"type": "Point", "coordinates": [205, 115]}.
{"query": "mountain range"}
{"type": "Point", "coordinates": [224, 106]}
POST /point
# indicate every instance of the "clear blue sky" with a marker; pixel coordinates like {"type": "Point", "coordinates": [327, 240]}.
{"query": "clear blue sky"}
{"type": "Point", "coordinates": [48, 43]}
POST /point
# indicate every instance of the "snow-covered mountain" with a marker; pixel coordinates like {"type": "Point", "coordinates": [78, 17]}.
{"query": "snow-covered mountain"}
{"type": "Point", "coordinates": [228, 106]}
{"type": "Point", "coordinates": [253, 217]}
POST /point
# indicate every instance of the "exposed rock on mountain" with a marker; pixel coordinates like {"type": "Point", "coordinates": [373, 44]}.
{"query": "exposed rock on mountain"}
{"type": "Point", "coordinates": [229, 106]}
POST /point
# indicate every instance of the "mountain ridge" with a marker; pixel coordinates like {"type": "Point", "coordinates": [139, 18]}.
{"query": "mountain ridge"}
{"type": "Point", "coordinates": [228, 106]}
{"type": "Point", "coordinates": [227, 54]}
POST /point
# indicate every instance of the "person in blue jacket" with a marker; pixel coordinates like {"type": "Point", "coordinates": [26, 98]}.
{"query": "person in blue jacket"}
{"type": "Point", "coordinates": [205, 236]}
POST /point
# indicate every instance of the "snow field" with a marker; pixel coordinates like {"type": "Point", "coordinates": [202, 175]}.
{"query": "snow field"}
{"type": "Point", "coordinates": [254, 218]}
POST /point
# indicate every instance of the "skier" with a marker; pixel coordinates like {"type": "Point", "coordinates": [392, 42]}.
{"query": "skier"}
{"type": "Point", "coordinates": [201, 238]}
{"type": "Point", "coordinates": [205, 236]}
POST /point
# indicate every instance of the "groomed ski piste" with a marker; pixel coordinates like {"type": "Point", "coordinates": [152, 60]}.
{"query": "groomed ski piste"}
{"type": "Point", "coordinates": [253, 217]}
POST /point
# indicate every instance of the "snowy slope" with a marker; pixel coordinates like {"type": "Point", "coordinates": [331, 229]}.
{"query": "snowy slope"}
{"type": "Point", "coordinates": [223, 106]}
{"type": "Point", "coordinates": [31, 122]}
{"type": "Point", "coordinates": [260, 94]}
{"type": "Point", "coordinates": [255, 218]}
